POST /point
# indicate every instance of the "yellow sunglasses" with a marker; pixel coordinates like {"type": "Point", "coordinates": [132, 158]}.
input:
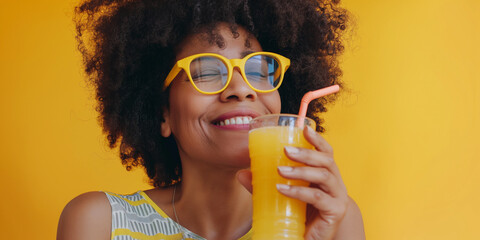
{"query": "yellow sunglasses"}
{"type": "Point", "coordinates": [211, 73]}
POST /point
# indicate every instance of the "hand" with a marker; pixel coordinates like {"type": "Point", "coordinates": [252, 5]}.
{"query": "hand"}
{"type": "Point", "coordinates": [326, 196]}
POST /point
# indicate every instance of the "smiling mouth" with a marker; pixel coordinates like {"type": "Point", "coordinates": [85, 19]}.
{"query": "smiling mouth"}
{"type": "Point", "coordinates": [240, 120]}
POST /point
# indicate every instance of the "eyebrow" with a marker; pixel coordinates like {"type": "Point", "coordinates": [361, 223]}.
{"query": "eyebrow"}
{"type": "Point", "coordinates": [245, 53]}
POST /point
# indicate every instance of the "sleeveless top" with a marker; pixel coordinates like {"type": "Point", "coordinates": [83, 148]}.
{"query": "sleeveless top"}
{"type": "Point", "coordinates": [137, 217]}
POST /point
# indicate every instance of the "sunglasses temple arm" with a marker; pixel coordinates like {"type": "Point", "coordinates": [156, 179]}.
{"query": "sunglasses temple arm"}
{"type": "Point", "coordinates": [173, 73]}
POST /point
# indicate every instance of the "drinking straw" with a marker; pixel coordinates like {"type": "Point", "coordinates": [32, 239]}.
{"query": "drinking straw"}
{"type": "Point", "coordinates": [309, 96]}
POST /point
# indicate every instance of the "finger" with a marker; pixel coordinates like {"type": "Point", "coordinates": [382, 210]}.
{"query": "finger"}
{"type": "Point", "coordinates": [320, 177]}
{"type": "Point", "coordinates": [245, 178]}
{"type": "Point", "coordinates": [326, 204]}
{"type": "Point", "coordinates": [317, 140]}
{"type": "Point", "coordinates": [312, 158]}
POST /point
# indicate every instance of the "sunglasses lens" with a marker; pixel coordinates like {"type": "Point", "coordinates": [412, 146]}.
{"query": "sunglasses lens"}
{"type": "Point", "coordinates": [263, 72]}
{"type": "Point", "coordinates": [209, 74]}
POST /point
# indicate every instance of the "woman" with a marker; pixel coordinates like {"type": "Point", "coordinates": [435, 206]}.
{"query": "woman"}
{"type": "Point", "coordinates": [180, 128]}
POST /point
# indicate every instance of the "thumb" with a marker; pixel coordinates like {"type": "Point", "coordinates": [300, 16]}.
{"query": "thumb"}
{"type": "Point", "coordinates": [244, 176]}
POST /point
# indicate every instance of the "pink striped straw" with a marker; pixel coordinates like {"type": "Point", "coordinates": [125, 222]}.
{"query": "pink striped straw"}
{"type": "Point", "coordinates": [309, 96]}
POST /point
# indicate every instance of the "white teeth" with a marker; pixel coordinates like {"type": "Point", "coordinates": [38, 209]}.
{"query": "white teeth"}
{"type": "Point", "coordinates": [235, 120]}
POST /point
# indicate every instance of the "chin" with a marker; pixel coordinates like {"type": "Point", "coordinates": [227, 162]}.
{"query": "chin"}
{"type": "Point", "coordinates": [240, 160]}
{"type": "Point", "coordinates": [236, 155]}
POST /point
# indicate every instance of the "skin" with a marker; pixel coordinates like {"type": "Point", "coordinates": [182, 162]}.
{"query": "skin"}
{"type": "Point", "coordinates": [214, 162]}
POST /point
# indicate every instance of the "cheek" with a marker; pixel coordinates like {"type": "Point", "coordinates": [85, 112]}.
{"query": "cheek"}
{"type": "Point", "coordinates": [273, 102]}
{"type": "Point", "coordinates": [187, 111]}
{"type": "Point", "coordinates": [185, 115]}
{"type": "Point", "coordinates": [185, 128]}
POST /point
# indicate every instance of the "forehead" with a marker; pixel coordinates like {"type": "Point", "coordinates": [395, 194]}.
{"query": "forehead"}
{"type": "Point", "coordinates": [231, 45]}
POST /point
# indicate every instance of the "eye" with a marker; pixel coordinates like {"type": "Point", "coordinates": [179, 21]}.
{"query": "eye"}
{"type": "Point", "coordinates": [206, 69]}
{"type": "Point", "coordinates": [257, 70]}
{"type": "Point", "coordinates": [262, 71]}
{"type": "Point", "coordinates": [256, 74]}
{"type": "Point", "coordinates": [206, 75]}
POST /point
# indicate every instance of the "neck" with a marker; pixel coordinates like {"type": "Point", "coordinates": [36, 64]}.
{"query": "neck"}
{"type": "Point", "coordinates": [212, 203]}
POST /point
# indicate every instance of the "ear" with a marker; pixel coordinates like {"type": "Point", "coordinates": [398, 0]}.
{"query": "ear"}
{"type": "Point", "coordinates": [165, 128]}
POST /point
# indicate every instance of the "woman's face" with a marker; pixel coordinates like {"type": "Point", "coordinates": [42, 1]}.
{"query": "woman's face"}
{"type": "Point", "coordinates": [194, 118]}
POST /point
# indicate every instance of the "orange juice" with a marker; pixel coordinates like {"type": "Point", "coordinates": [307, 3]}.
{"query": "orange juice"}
{"type": "Point", "coordinates": [275, 216]}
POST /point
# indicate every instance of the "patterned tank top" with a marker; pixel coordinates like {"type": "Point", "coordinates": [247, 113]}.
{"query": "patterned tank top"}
{"type": "Point", "coordinates": [137, 217]}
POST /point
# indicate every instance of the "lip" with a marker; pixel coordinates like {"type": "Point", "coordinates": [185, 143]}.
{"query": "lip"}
{"type": "Point", "coordinates": [235, 113]}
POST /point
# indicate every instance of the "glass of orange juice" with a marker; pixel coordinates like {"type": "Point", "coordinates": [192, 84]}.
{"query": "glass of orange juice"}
{"type": "Point", "coordinates": [276, 216]}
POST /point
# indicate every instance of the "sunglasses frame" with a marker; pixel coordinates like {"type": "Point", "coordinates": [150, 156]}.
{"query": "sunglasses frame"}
{"type": "Point", "coordinates": [231, 64]}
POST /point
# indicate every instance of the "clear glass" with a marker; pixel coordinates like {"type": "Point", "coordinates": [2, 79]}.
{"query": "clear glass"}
{"type": "Point", "coordinates": [276, 216]}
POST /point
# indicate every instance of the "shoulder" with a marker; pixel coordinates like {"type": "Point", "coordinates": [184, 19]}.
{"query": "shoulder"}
{"type": "Point", "coordinates": [87, 216]}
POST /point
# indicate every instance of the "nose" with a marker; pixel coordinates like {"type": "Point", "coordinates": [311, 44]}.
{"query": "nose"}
{"type": "Point", "coordinates": [238, 89]}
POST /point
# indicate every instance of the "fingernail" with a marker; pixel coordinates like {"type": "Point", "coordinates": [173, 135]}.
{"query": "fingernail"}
{"type": "Point", "coordinates": [292, 150]}
{"type": "Point", "coordinates": [285, 169]}
{"type": "Point", "coordinates": [282, 187]}
{"type": "Point", "coordinates": [310, 129]}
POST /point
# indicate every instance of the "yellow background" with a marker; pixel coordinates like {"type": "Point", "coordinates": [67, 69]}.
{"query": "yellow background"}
{"type": "Point", "coordinates": [406, 135]}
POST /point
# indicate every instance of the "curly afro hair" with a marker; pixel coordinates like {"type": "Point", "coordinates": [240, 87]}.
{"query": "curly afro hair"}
{"type": "Point", "coordinates": [128, 48]}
